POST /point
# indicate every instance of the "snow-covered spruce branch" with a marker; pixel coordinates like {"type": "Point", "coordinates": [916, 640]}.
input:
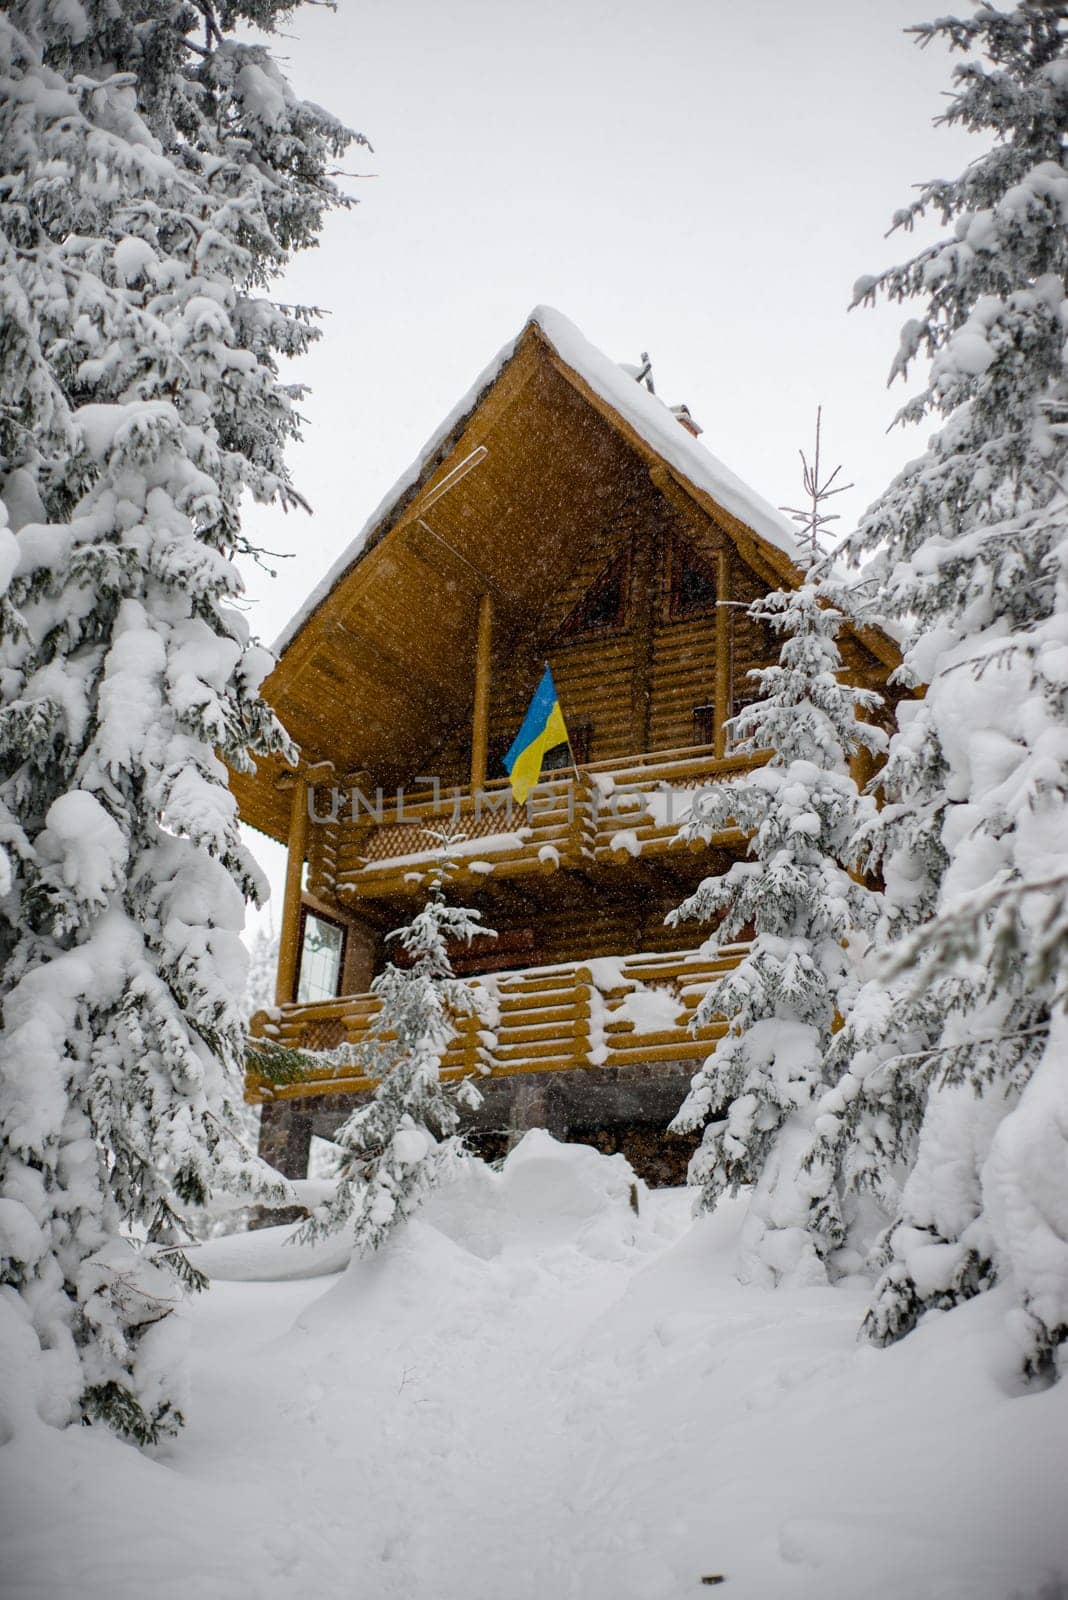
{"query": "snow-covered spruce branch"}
{"type": "Point", "coordinates": [937, 1052]}
{"type": "Point", "coordinates": [958, 933]}
{"type": "Point", "coordinates": [276, 1063]}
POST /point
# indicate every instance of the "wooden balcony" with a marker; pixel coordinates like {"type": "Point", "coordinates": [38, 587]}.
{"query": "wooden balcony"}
{"type": "Point", "coordinates": [606, 813]}
{"type": "Point", "coordinates": [609, 1012]}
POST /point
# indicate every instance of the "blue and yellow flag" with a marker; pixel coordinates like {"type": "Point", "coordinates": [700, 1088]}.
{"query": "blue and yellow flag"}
{"type": "Point", "coordinates": [543, 729]}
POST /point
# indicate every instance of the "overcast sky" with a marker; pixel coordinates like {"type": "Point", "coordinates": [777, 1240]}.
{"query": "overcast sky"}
{"type": "Point", "coordinates": [694, 178]}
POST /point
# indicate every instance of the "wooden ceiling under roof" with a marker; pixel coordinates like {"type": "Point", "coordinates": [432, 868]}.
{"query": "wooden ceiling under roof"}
{"type": "Point", "coordinates": [535, 472]}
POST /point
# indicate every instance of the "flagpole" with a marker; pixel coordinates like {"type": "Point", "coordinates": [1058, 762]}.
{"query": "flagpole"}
{"type": "Point", "coordinates": [570, 747]}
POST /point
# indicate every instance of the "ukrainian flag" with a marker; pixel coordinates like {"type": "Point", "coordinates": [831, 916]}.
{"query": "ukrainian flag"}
{"type": "Point", "coordinates": [543, 729]}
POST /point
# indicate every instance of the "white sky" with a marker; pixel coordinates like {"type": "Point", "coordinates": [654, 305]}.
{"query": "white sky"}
{"type": "Point", "coordinates": [694, 178]}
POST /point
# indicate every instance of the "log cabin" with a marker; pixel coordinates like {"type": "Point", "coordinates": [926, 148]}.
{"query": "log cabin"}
{"type": "Point", "coordinates": [565, 514]}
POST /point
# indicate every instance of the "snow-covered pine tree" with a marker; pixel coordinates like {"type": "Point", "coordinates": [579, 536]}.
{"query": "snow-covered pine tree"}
{"type": "Point", "coordinates": [158, 172]}
{"type": "Point", "coordinates": [259, 995]}
{"type": "Point", "coordinates": [262, 969]}
{"type": "Point", "coordinates": [807, 918]}
{"type": "Point", "coordinates": [404, 1141]}
{"type": "Point", "coordinates": [969, 548]}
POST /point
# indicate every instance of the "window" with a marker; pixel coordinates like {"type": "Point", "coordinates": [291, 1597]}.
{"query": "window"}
{"type": "Point", "coordinates": [603, 608]}
{"type": "Point", "coordinates": [693, 583]}
{"type": "Point", "coordinates": [704, 724]}
{"type": "Point", "coordinates": [322, 956]}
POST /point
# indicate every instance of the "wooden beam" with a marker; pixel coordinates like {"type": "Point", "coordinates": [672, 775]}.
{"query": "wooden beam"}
{"type": "Point", "coordinates": [753, 557]}
{"type": "Point", "coordinates": [480, 724]}
{"type": "Point", "coordinates": [289, 942]}
{"type": "Point", "coordinates": [723, 651]}
{"type": "Point", "coordinates": [434, 552]}
{"type": "Point", "coordinates": [695, 516]}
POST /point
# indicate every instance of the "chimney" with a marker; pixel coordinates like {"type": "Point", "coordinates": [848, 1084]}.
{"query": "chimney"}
{"type": "Point", "coordinates": [690, 423]}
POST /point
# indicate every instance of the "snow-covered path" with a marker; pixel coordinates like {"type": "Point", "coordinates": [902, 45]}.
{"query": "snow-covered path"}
{"type": "Point", "coordinates": [536, 1395]}
{"type": "Point", "coordinates": [436, 1390]}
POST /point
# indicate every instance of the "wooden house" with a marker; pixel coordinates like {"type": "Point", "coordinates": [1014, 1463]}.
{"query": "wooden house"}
{"type": "Point", "coordinates": [563, 513]}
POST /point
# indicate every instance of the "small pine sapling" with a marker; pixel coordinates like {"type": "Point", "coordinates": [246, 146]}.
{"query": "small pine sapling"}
{"type": "Point", "coordinates": [813, 519]}
{"type": "Point", "coordinates": [405, 1140]}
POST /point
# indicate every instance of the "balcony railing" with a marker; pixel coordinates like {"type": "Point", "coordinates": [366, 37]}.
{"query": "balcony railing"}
{"type": "Point", "coordinates": [608, 1012]}
{"type": "Point", "coordinates": [607, 812]}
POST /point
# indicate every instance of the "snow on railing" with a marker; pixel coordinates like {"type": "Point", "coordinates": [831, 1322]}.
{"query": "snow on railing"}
{"type": "Point", "coordinates": [605, 812]}
{"type": "Point", "coordinates": [607, 1012]}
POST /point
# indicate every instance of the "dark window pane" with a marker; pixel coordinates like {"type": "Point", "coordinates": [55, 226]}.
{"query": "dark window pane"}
{"type": "Point", "coordinates": [693, 583]}
{"type": "Point", "coordinates": [603, 607]}
{"type": "Point", "coordinates": [704, 724]}
{"type": "Point", "coordinates": [697, 589]}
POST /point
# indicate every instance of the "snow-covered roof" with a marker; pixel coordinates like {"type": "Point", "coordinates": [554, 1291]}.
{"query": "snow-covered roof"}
{"type": "Point", "coordinates": [648, 415]}
{"type": "Point", "coordinates": [657, 424]}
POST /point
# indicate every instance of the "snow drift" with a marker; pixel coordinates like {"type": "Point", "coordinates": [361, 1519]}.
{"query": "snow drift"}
{"type": "Point", "coordinates": [534, 1391]}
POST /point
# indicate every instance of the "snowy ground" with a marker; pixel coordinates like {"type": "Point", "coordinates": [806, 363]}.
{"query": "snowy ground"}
{"type": "Point", "coordinates": [536, 1393]}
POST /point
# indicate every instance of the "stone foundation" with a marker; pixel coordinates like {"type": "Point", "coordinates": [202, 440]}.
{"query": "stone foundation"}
{"type": "Point", "coordinates": [285, 1136]}
{"type": "Point", "coordinates": [658, 1157]}
{"type": "Point", "coordinates": [623, 1110]}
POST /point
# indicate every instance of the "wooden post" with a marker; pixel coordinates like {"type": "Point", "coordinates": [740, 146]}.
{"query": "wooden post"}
{"type": "Point", "coordinates": [289, 942]}
{"type": "Point", "coordinates": [723, 652]}
{"type": "Point", "coordinates": [861, 766]}
{"type": "Point", "coordinates": [360, 950]}
{"type": "Point", "coordinates": [480, 726]}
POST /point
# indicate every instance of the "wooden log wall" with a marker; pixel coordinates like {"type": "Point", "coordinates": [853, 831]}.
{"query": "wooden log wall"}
{"type": "Point", "coordinates": [598, 676]}
{"type": "Point", "coordinates": [752, 643]}
{"type": "Point", "coordinates": [606, 924]}
{"type": "Point", "coordinates": [684, 667]}
{"type": "Point", "coordinates": [592, 677]}
{"type": "Point", "coordinates": [636, 684]}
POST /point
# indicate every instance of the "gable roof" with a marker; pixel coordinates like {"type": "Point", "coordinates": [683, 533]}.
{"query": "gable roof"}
{"type": "Point", "coordinates": [533, 463]}
{"type": "Point", "coordinates": [652, 420]}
